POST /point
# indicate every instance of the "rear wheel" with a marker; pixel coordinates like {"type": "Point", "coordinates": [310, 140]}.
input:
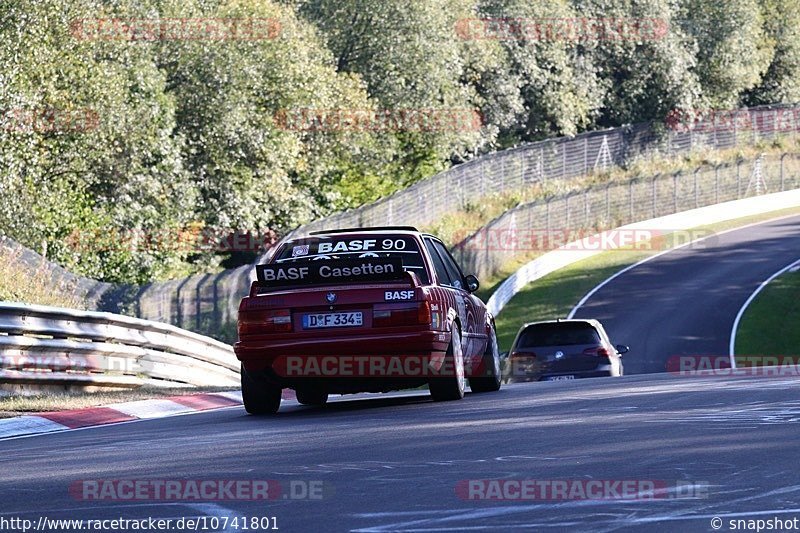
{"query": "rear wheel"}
{"type": "Point", "coordinates": [312, 396]}
{"type": "Point", "coordinates": [490, 381]}
{"type": "Point", "coordinates": [450, 386]}
{"type": "Point", "coordinates": [259, 396]}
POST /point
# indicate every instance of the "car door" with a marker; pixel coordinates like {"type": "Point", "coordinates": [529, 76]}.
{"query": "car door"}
{"type": "Point", "coordinates": [447, 290]}
{"type": "Point", "coordinates": [472, 316]}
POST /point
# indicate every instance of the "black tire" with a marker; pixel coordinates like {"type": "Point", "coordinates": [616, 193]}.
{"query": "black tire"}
{"type": "Point", "coordinates": [450, 387]}
{"type": "Point", "coordinates": [312, 397]}
{"type": "Point", "coordinates": [490, 381]}
{"type": "Point", "coordinates": [259, 396]}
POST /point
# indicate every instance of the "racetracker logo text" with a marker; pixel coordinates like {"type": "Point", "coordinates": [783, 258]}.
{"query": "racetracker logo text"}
{"type": "Point", "coordinates": [622, 239]}
{"type": "Point", "coordinates": [198, 489]}
{"type": "Point", "coordinates": [765, 366]}
{"type": "Point", "coordinates": [380, 120]}
{"type": "Point", "coordinates": [175, 29]}
{"type": "Point", "coordinates": [578, 489]}
{"type": "Point", "coordinates": [562, 29]}
{"type": "Point", "coordinates": [367, 366]}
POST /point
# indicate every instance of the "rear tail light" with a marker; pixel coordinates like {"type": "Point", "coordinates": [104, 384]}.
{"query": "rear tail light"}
{"type": "Point", "coordinates": [391, 315]}
{"type": "Point", "coordinates": [599, 352]}
{"type": "Point", "coordinates": [270, 321]}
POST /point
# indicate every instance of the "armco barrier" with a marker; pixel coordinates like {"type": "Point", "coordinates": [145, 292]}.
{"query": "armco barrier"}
{"type": "Point", "coordinates": [570, 253]}
{"type": "Point", "coordinates": [56, 346]}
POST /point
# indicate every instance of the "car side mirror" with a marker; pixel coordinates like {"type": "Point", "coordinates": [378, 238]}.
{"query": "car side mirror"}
{"type": "Point", "coordinates": [472, 283]}
{"type": "Point", "coordinates": [621, 349]}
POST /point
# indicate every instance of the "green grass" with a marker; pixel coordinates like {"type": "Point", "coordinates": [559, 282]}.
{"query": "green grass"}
{"type": "Point", "coordinates": [556, 294]}
{"type": "Point", "coordinates": [770, 326]}
{"type": "Point", "coordinates": [18, 404]}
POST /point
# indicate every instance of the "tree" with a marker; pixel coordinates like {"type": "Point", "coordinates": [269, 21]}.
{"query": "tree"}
{"type": "Point", "coordinates": [410, 57]}
{"type": "Point", "coordinates": [643, 60]}
{"type": "Point", "coordinates": [781, 82]}
{"type": "Point", "coordinates": [87, 148]}
{"type": "Point", "coordinates": [731, 47]}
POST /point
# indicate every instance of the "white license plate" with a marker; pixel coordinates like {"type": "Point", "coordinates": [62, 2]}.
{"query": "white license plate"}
{"type": "Point", "coordinates": [560, 378]}
{"type": "Point", "coordinates": [332, 320]}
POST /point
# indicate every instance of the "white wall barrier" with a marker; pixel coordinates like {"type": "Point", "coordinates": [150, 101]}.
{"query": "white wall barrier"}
{"type": "Point", "coordinates": [578, 250]}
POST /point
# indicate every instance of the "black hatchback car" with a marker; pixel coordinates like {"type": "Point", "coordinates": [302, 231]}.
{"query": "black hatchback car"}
{"type": "Point", "coordinates": [563, 350]}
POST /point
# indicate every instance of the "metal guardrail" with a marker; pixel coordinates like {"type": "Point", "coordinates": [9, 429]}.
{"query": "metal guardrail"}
{"type": "Point", "coordinates": [56, 346]}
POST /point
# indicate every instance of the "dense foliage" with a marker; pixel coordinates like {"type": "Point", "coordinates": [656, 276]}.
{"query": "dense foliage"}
{"type": "Point", "coordinates": [130, 156]}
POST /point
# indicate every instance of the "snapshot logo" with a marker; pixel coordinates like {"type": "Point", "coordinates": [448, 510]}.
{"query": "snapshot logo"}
{"type": "Point", "coordinates": [175, 29]}
{"type": "Point", "coordinates": [721, 120]}
{"type": "Point", "coordinates": [380, 120]}
{"type": "Point", "coordinates": [188, 240]}
{"type": "Point", "coordinates": [768, 366]}
{"type": "Point", "coordinates": [49, 120]}
{"type": "Point", "coordinates": [534, 239]}
{"type": "Point", "coordinates": [198, 489]}
{"type": "Point", "coordinates": [578, 489]}
{"type": "Point", "coordinates": [580, 29]}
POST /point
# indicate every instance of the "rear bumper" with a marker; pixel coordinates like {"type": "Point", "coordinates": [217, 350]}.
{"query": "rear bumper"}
{"type": "Point", "coordinates": [522, 378]}
{"type": "Point", "coordinates": [404, 343]}
{"type": "Point", "coordinates": [371, 362]}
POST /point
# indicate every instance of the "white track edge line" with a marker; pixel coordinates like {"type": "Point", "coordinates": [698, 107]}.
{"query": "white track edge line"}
{"type": "Point", "coordinates": [747, 303]}
{"type": "Point", "coordinates": [659, 254]}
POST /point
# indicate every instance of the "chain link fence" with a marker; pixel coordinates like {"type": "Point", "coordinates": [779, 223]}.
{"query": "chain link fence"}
{"type": "Point", "coordinates": [542, 225]}
{"type": "Point", "coordinates": [208, 303]}
{"type": "Point", "coordinates": [516, 169]}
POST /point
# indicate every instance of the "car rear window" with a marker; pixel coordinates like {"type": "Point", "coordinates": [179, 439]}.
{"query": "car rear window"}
{"type": "Point", "coordinates": [321, 248]}
{"type": "Point", "coordinates": [558, 334]}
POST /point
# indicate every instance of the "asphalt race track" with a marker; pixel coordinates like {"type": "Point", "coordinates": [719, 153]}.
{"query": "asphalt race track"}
{"type": "Point", "coordinates": [716, 447]}
{"type": "Point", "coordinates": [685, 302]}
{"type": "Point", "coordinates": [392, 464]}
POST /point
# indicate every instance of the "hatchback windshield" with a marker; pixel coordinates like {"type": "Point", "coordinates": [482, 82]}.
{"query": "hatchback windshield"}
{"type": "Point", "coordinates": [558, 334]}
